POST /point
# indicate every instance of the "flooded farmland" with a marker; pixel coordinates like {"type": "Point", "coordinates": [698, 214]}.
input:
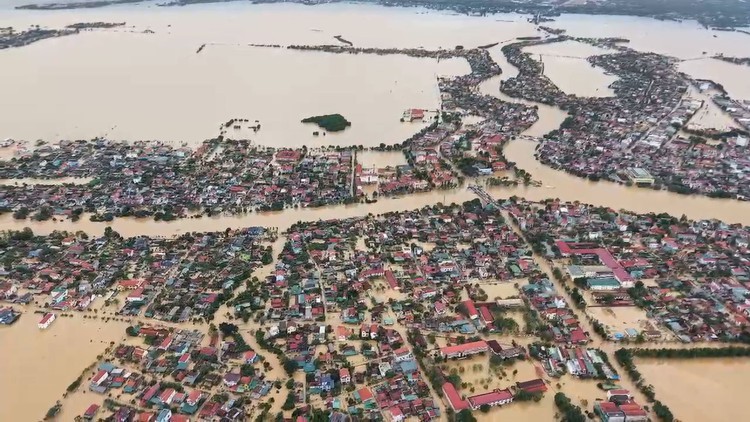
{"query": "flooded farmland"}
{"type": "Point", "coordinates": [42, 363]}
{"type": "Point", "coordinates": [715, 381]}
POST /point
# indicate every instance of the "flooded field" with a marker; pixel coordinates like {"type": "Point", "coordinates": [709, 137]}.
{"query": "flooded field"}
{"type": "Point", "coordinates": [193, 97]}
{"type": "Point", "coordinates": [477, 374]}
{"type": "Point", "coordinates": [380, 159]}
{"type": "Point", "coordinates": [502, 290]}
{"type": "Point", "coordinates": [77, 94]}
{"type": "Point", "coordinates": [617, 319]}
{"type": "Point", "coordinates": [710, 116]}
{"type": "Point", "coordinates": [718, 383]}
{"type": "Point", "coordinates": [732, 76]}
{"type": "Point", "coordinates": [42, 363]}
{"type": "Point", "coordinates": [566, 65]}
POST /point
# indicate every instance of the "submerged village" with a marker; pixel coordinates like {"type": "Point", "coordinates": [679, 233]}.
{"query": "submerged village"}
{"type": "Point", "coordinates": [490, 309]}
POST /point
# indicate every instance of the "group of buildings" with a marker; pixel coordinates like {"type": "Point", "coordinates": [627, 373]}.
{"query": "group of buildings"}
{"type": "Point", "coordinates": [690, 277]}
{"type": "Point", "coordinates": [146, 179]}
{"type": "Point", "coordinates": [172, 279]}
{"type": "Point", "coordinates": [171, 377]}
{"type": "Point", "coordinates": [637, 128]}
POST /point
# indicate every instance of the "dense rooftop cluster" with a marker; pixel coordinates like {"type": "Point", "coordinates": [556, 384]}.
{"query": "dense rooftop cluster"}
{"type": "Point", "coordinates": [638, 129]}
{"type": "Point", "coordinates": [691, 277]}
{"type": "Point", "coordinates": [178, 279]}
{"type": "Point", "coordinates": [152, 179]}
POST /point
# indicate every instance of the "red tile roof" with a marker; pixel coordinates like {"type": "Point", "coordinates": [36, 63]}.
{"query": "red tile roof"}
{"type": "Point", "coordinates": [490, 397]}
{"type": "Point", "coordinates": [608, 407]}
{"type": "Point", "coordinates": [455, 400]}
{"type": "Point", "coordinates": [486, 314]}
{"type": "Point", "coordinates": [632, 409]}
{"type": "Point", "coordinates": [463, 348]}
{"type": "Point", "coordinates": [470, 308]}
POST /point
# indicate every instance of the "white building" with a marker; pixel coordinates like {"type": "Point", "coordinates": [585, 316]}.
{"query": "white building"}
{"type": "Point", "coordinates": [46, 320]}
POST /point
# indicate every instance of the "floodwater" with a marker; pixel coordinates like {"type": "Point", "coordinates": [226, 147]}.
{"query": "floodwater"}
{"type": "Point", "coordinates": [478, 374]}
{"type": "Point", "coordinates": [684, 40]}
{"type": "Point", "coordinates": [732, 76]}
{"type": "Point", "coordinates": [126, 84]}
{"type": "Point", "coordinates": [380, 159]}
{"type": "Point", "coordinates": [565, 64]}
{"type": "Point", "coordinates": [717, 382]}
{"type": "Point", "coordinates": [194, 94]}
{"type": "Point", "coordinates": [33, 383]}
{"type": "Point", "coordinates": [709, 116]}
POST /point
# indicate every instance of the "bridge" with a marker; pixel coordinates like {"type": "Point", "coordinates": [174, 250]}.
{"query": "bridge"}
{"type": "Point", "coordinates": [529, 138]}
{"type": "Point", "coordinates": [484, 197]}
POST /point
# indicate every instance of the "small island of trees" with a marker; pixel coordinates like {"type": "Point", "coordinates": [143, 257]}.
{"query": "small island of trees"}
{"type": "Point", "coordinates": [329, 122]}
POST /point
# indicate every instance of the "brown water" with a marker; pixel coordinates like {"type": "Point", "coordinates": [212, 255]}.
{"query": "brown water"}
{"type": "Point", "coordinates": [51, 360]}
{"type": "Point", "coordinates": [699, 389]}
{"type": "Point", "coordinates": [566, 65]}
{"type": "Point", "coordinates": [127, 84]}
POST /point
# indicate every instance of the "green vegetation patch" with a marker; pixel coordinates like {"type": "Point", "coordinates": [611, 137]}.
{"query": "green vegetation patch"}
{"type": "Point", "coordinates": [329, 122]}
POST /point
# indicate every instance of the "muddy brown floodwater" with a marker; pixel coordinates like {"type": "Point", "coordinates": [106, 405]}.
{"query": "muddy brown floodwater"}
{"type": "Point", "coordinates": [699, 389]}
{"type": "Point", "coordinates": [38, 365]}
{"type": "Point", "coordinates": [128, 83]}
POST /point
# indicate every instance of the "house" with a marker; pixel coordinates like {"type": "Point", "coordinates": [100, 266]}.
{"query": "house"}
{"type": "Point", "coordinates": [609, 412]}
{"type": "Point", "coordinates": [136, 296]}
{"type": "Point", "coordinates": [7, 290]}
{"type": "Point", "coordinates": [396, 414]}
{"type": "Point", "coordinates": [618, 395]}
{"type": "Point", "coordinates": [99, 378]}
{"type": "Point", "coordinates": [91, 412]}
{"type": "Point", "coordinates": [603, 283]}
{"type": "Point", "coordinates": [167, 396]}
{"type": "Point", "coordinates": [496, 397]}
{"type": "Point", "coordinates": [506, 352]}
{"type": "Point", "coordinates": [194, 397]}
{"type": "Point", "coordinates": [402, 354]}
{"type": "Point", "coordinates": [326, 382]}
{"type": "Point", "coordinates": [164, 415]}
{"type": "Point", "coordinates": [342, 333]}
{"type": "Point", "coordinates": [250, 357]}
{"type": "Point", "coordinates": [633, 412]}
{"type": "Point", "coordinates": [486, 315]}
{"type": "Point", "coordinates": [46, 320]}
{"type": "Point", "coordinates": [471, 310]}
{"type": "Point", "coordinates": [384, 368]}
{"type": "Point", "coordinates": [231, 379]}
{"type": "Point", "coordinates": [374, 331]}
{"type": "Point", "coordinates": [364, 395]}
{"type": "Point", "coordinates": [463, 350]}
{"type": "Point", "coordinates": [344, 376]}
{"type": "Point", "coordinates": [533, 386]}
{"type": "Point", "coordinates": [182, 362]}
{"type": "Point", "coordinates": [457, 403]}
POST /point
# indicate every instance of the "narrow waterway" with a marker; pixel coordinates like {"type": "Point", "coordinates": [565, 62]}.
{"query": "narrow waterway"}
{"type": "Point", "coordinates": [555, 184]}
{"type": "Point", "coordinates": [558, 184]}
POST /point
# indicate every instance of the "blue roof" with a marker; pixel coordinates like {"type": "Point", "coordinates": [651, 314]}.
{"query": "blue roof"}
{"type": "Point", "coordinates": [409, 366]}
